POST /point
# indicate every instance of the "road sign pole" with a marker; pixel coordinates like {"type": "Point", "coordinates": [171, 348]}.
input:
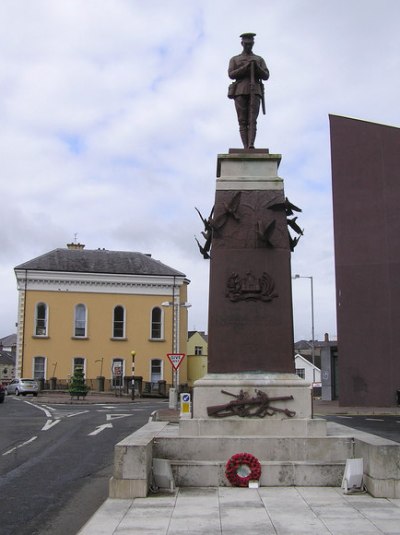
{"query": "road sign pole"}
{"type": "Point", "coordinates": [175, 360]}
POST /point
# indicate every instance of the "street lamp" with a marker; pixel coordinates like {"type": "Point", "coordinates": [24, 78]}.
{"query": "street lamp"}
{"type": "Point", "coordinates": [175, 304]}
{"type": "Point", "coordinates": [133, 354]}
{"type": "Point", "coordinates": [312, 315]}
{"type": "Point", "coordinates": [101, 366]}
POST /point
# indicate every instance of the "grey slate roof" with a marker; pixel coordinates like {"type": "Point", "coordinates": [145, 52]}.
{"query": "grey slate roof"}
{"type": "Point", "coordinates": [99, 261]}
{"type": "Point", "coordinates": [305, 345]}
{"type": "Point", "coordinates": [7, 359]}
{"type": "Point", "coordinates": [9, 340]}
{"type": "Point", "coordinates": [201, 333]}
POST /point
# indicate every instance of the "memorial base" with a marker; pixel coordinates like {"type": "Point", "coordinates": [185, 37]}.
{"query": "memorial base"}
{"type": "Point", "coordinates": [211, 391]}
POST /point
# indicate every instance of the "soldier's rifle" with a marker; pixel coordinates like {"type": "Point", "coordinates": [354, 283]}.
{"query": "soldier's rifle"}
{"type": "Point", "coordinates": [253, 87]}
{"type": "Point", "coordinates": [242, 405]}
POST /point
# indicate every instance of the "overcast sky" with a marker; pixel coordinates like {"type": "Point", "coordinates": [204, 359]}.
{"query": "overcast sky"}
{"type": "Point", "coordinates": [112, 114]}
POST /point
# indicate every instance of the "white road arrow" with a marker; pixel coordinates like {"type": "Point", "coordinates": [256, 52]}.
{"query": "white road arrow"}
{"type": "Point", "coordinates": [116, 416]}
{"type": "Point", "coordinates": [99, 429]}
{"type": "Point", "coordinates": [49, 424]}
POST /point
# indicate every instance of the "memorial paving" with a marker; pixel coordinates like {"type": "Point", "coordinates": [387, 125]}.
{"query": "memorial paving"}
{"type": "Point", "coordinates": [232, 510]}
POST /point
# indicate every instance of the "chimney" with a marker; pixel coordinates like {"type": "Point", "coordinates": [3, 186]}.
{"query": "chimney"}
{"type": "Point", "coordinates": [75, 246]}
{"type": "Point", "coordinates": [326, 338]}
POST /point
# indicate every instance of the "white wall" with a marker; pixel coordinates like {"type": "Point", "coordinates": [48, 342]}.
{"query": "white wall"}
{"type": "Point", "coordinates": [312, 373]}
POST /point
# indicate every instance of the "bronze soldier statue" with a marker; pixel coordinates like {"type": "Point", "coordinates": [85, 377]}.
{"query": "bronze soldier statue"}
{"type": "Point", "coordinates": [248, 71]}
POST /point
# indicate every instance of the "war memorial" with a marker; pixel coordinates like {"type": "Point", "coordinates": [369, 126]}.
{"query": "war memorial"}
{"type": "Point", "coordinates": [252, 422]}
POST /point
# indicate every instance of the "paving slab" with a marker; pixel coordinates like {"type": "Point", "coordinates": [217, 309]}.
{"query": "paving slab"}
{"type": "Point", "coordinates": [232, 510]}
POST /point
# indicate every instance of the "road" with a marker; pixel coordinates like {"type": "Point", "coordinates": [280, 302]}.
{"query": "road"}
{"type": "Point", "coordinates": [56, 460]}
{"type": "Point", "coordinates": [383, 426]}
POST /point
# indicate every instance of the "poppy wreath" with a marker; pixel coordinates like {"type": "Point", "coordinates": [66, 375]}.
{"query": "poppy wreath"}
{"type": "Point", "coordinates": [231, 469]}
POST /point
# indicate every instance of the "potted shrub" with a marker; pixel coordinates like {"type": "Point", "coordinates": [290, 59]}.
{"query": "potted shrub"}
{"type": "Point", "coordinates": [78, 387]}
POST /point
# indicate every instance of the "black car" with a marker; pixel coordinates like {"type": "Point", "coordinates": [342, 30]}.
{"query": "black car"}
{"type": "Point", "coordinates": [2, 393]}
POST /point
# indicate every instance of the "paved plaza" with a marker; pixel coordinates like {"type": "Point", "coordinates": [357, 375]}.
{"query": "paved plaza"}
{"type": "Point", "coordinates": [236, 511]}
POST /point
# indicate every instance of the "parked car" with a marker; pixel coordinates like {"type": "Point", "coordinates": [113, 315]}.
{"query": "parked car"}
{"type": "Point", "coordinates": [2, 393]}
{"type": "Point", "coordinates": [23, 386]}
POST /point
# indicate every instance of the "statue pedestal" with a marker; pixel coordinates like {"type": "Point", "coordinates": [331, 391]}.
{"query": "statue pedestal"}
{"type": "Point", "coordinates": [250, 302]}
{"type": "Point", "coordinates": [250, 333]}
{"type": "Point", "coordinates": [208, 392]}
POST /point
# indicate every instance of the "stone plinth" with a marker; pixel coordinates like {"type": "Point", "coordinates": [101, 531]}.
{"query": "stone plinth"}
{"type": "Point", "coordinates": [246, 427]}
{"type": "Point", "coordinates": [250, 303]}
{"type": "Point", "coordinates": [208, 392]}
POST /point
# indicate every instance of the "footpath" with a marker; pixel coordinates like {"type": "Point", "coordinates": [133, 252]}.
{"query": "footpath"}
{"type": "Point", "coordinates": [232, 510]}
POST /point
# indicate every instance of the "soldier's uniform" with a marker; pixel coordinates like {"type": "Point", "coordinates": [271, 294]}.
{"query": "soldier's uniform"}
{"type": "Point", "coordinates": [247, 95]}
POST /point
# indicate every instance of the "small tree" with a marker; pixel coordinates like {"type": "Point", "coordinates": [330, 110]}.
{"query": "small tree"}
{"type": "Point", "coordinates": [78, 387]}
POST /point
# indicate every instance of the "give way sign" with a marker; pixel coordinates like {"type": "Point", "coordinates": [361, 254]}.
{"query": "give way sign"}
{"type": "Point", "coordinates": [176, 359]}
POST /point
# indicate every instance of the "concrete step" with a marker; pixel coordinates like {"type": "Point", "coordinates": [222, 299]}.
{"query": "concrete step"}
{"type": "Point", "coordinates": [273, 474]}
{"type": "Point", "coordinates": [325, 449]}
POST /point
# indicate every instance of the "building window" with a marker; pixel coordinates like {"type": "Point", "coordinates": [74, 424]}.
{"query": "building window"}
{"type": "Point", "coordinates": [119, 322]}
{"type": "Point", "coordinates": [39, 367]}
{"type": "Point", "coordinates": [198, 350]}
{"type": "Point", "coordinates": [117, 372]}
{"type": "Point", "coordinates": [156, 371]}
{"type": "Point", "coordinates": [80, 321]}
{"type": "Point", "coordinates": [156, 323]}
{"type": "Point", "coordinates": [301, 372]}
{"type": "Point", "coordinates": [41, 319]}
{"type": "Point", "coordinates": [79, 362]}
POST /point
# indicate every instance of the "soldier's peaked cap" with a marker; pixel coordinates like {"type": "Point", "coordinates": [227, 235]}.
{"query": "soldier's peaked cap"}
{"type": "Point", "coordinates": [248, 35]}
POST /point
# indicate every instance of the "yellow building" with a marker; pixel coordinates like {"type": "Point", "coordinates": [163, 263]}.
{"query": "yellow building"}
{"type": "Point", "coordinates": [93, 308]}
{"type": "Point", "coordinates": [197, 354]}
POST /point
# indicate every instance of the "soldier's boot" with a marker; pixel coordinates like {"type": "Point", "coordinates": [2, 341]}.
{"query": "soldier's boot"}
{"type": "Point", "coordinates": [244, 134]}
{"type": "Point", "coordinates": [252, 136]}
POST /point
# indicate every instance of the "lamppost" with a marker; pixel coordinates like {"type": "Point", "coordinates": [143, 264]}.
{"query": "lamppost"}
{"type": "Point", "coordinates": [101, 366]}
{"type": "Point", "coordinates": [133, 354]}
{"type": "Point", "coordinates": [176, 305]}
{"type": "Point", "coordinates": [312, 316]}
{"type": "Point", "coordinates": [100, 378]}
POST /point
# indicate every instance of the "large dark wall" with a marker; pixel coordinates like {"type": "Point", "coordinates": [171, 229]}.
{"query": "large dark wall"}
{"type": "Point", "coordinates": [366, 207]}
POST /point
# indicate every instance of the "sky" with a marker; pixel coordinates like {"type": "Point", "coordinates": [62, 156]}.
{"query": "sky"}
{"type": "Point", "coordinates": [113, 112]}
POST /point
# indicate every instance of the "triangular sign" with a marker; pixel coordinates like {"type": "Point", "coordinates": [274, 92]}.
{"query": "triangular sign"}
{"type": "Point", "coordinates": [176, 359]}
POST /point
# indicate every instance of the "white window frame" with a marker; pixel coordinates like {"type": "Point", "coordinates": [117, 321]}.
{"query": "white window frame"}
{"type": "Point", "coordinates": [44, 364]}
{"type": "Point", "coordinates": [46, 319]}
{"type": "Point", "coordinates": [120, 382]}
{"type": "Point", "coordinates": [123, 323]}
{"type": "Point", "coordinates": [161, 337]}
{"type": "Point", "coordinates": [76, 320]}
{"type": "Point", "coordinates": [75, 365]}
{"type": "Point", "coordinates": [151, 368]}
{"type": "Point", "coordinates": [301, 372]}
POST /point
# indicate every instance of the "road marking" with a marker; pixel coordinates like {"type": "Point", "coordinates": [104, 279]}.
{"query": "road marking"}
{"type": "Point", "coordinates": [49, 408]}
{"type": "Point", "coordinates": [375, 419]}
{"type": "Point", "coordinates": [76, 414]}
{"type": "Point", "coordinates": [44, 409]}
{"type": "Point", "coordinates": [99, 429]}
{"type": "Point", "coordinates": [106, 406]}
{"type": "Point", "coordinates": [49, 424]}
{"type": "Point", "coordinates": [20, 446]}
{"type": "Point", "coordinates": [116, 416]}
{"type": "Point", "coordinates": [344, 417]}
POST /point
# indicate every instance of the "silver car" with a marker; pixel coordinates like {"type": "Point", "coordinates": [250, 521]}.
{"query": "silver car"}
{"type": "Point", "coordinates": [23, 386]}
